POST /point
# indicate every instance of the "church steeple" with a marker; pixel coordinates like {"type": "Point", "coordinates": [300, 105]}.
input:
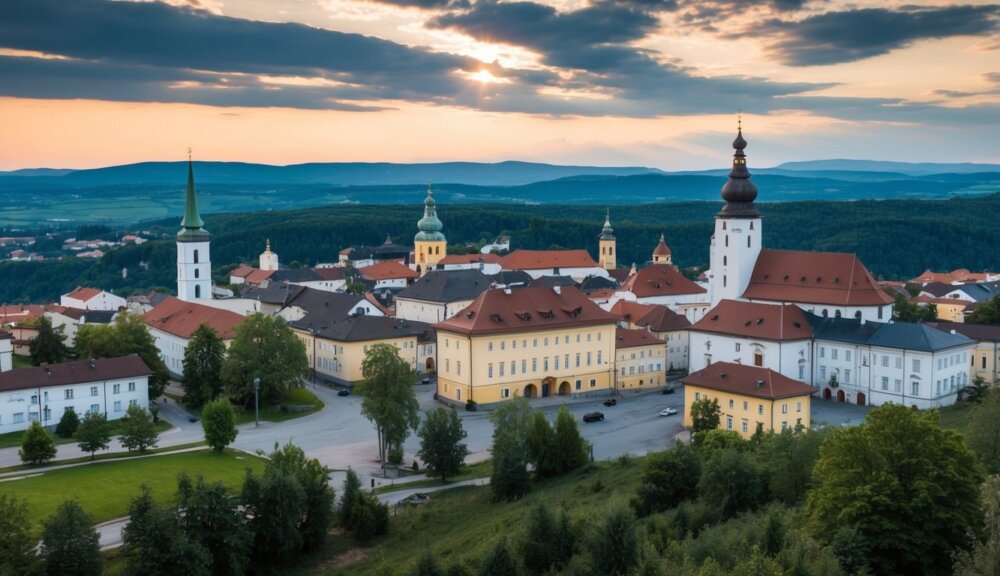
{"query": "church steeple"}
{"type": "Point", "coordinates": [194, 262]}
{"type": "Point", "coordinates": [739, 192]}
{"type": "Point", "coordinates": [607, 245]}
{"type": "Point", "coordinates": [430, 226]}
{"type": "Point", "coordinates": [191, 224]}
{"type": "Point", "coordinates": [429, 244]}
{"type": "Point", "coordinates": [607, 233]}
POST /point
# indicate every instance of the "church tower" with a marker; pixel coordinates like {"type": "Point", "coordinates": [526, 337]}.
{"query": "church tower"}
{"type": "Point", "coordinates": [662, 254]}
{"type": "Point", "coordinates": [429, 245]}
{"type": "Point", "coordinates": [737, 239]}
{"type": "Point", "coordinates": [268, 259]}
{"type": "Point", "coordinates": [607, 245]}
{"type": "Point", "coordinates": [194, 266]}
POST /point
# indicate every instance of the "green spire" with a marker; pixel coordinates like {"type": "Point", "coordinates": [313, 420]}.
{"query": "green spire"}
{"type": "Point", "coordinates": [191, 225]}
{"type": "Point", "coordinates": [607, 233]}
{"type": "Point", "coordinates": [430, 226]}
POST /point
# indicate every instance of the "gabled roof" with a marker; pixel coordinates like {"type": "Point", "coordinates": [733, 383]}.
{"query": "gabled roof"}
{"type": "Point", "coordinates": [330, 272]}
{"type": "Point", "coordinates": [83, 293]}
{"type": "Point", "coordinates": [635, 338]}
{"type": "Point", "coordinates": [89, 316]}
{"type": "Point", "coordinates": [447, 286]}
{"type": "Point", "coordinates": [258, 276]}
{"type": "Point", "coordinates": [620, 274]}
{"type": "Point", "coordinates": [832, 278]}
{"type": "Point", "coordinates": [550, 281]}
{"type": "Point", "coordinates": [241, 271]}
{"type": "Point", "coordinates": [900, 335]}
{"type": "Point", "coordinates": [293, 275]}
{"type": "Point", "coordinates": [754, 320]}
{"type": "Point", "coordinates": [752, 381]}
{"type": "Point", "coordinates": [500, 311]}
{"type": "Point", "coordinates": [512, 278]}
{"type": "Point", "coordinates": [591, 283]}
{"type": "Point", "coordinates": [660, 280]}
{"type": "Point", "coordinates": [363, 328]}
{"type": "Point", "coordinates": [545, 259]}
{"type": "Point", "coordinates": [276, 293]}
{"type": "Point", "coordinates": [180, 318]}
{"type": "Point", "coordinates": [632, 311]}
{"type": "Point", "coordinates": [976, 292]}
{"type": "Point", "coordinates": [19, 313]}
{"type": "Point", "coordinates": [663, 319]}
{"type": "Point", "coordinates": [388, 270]}
{"type": "Point", "coordinates": [79, 372]}
{"type": "Point", "coordinates": [958, 275]}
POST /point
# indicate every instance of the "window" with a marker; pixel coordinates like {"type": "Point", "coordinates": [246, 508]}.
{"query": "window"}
{"type": "Point", "coordinates": [502, 346]}
{"type": "Point", "coordinates": [34, 399]}
{"type": "Point", "coordinates": [744, 407]}
{"type": "Point", "coordinates": [545, 364]}
{"type": "Point", "coordinates": [489, 346]}
{"type": "Point", "coordinates": [897, 386]}
{"type": "Point", "coordinates": [556, 360]}
{"type": "Point", "coordinates": [197, 273]}
{"type": "Point", "coordinates": [197, 291]}
{"type": "Point", "coordinates": [758, 359]}
{"type": "Point", "coordinates": [731, 403]}
{"type": "Point", "coordinates": [760, 409]}
{"type": "Point", "coordinates": [599, 357]}
{"type": "Point", "coordinates": [833, 353]}
{"type": "Point", "coordinates": [802, 371]}
{"type": "Point", "coordinates": [447, 365]}
{"type": "Point", "coordinates": [579, 384]}
{"type": "Point", "coordinates": [501, 369]}
{"type": "Point", "coordinates": [847, 355]}
{"type": "Point", "coordinates": [916, 365]}
{"type": "Point", "coordinates": [737, 346]}
{"type": "Point", "coordinates": [784, 408]}
{"type": "Point", "coordinates": [885, 383]}
{"type": "Point", "coordinates": [697, 395]}
{"type": "Point", "coordinates": [899, 363]}
{"type": "Point", "coordinates": [784, 425]}
{"type": "Point", "coordinates": [577, 359]}
{"type": "Point", "coordinates": [798, 406]}
{"type": "Point", "coordinates": [593, 382]}
{"type": "Point", "coordinates": [93, 390]}
{"type": "Point", "coordinates": [195, 256]}
{"type": "Point", "coordinates": [505, 393]}
{"type": "Point", "coordinates": [847, 376]}
{"type": "Point", "coordinates": [588, 358]}
{"type": "Point", "coordinates": [118, 405]}
{"type": "Point", "coordinates": [69, 394]}
{"type": "Point", "coordinates": [915, 389]}
{"type": "Point", "coordinates": [95, 408]}
{"type": "Point", "coordinates": [18, 417]}
{"type": "Point", "coordinates": [729, 422]}
{"type": "Point", "coordinates": [534, 364]}
{"type": "Point", "coordinates": [131, 386]}
{"type": "Point", "coordinates": [458, 367]}
{"type": "Point", "coordinates": [822, 373]}
{"type": "Point", "coordinates": [822, 352]}
{"type": "Point", "coordinates": [458, 393]}
{"type": "Point", "coordinates": [524, 365]}
{"type": "Point", "coordinates": [885, 361]}
{"type": "Point", "coordinates": [743, 426]}
{"type": "Point", "coordinates": [489, 370]}
{"type": "Point", "coordinates": [513, 367]}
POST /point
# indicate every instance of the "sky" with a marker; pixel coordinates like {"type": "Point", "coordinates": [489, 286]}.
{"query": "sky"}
{"type": "Point", "coordinates": [659, 83]}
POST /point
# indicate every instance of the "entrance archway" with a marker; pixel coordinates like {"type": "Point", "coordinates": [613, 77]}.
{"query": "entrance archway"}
{"type": "Point", "coordinates": [563, 388]}
{"type": "Point", "coordinates": [840, 395]}
{"type": "Point", "coordinates": [826, 393]}
{"type": "Point", "coordinates": [640, 383]}
{"type": "Point", "coordinates": [531, 391]}
{"type": "Point", "coordinates": [429, 365]}
{"type": "Point", "coordinates": [861, 398]}
{"type": "Point", "coordinates": [548, 385]}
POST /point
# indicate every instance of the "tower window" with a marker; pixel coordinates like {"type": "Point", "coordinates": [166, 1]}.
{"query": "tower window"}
{"type": "Point", "coordinates": [723, 224]}
{"type": "Point", "coordinates": [748, 241]}
{"type": "Point", "coordinates": [751, 224]}
{"type": "Point", "coordinates": [195, 256]}
{"type": "Point", "coordinates": [197, 273]}
{"type": "Point", "coordinates": [723, 280]}
{"type": "Point", "coordinates": [725, 259]}
{"type": "Point", "coordinates": [727, 240]}
{"type": "Point", "coordinates": [197, 291]}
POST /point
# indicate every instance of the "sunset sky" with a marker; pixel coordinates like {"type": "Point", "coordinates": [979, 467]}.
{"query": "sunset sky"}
{"type": "Point", "coordinates": [87, 83]}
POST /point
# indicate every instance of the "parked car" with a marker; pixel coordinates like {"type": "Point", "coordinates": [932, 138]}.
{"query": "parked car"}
{"type": "Point", "coordinates": [610, 402]}
{"type": "Point", "coordinates": [668, 412]}
{"type": "Point", "coordinates": [593, 417]}
{"type": "Point", "coordinates": [667, 391]}
{"type": "Point", "coordinates": [344, 392]}
{"type": "Point", "coordinates": [425, 380]}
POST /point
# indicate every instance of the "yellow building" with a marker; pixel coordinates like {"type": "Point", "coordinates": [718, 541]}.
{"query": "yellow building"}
{"type": "Point", "coordinates": [530, 342]}
{"type": "Point", "coordinates": [662, 253]}
{"type": "Point", "coordinates": [948, 309]}
{"type": "Point", "coordinates": [639, 360]}
{"type": "Point", "coordinates": [749, 397]}
{"type": "Point", "coordinates": [985, 358]}
{"type": "Point", "coordinates": [336, 348]}
{"type": "Point", "coordinates": [608, 246]}
{"type": "Point", "coordinates": [429, 245]}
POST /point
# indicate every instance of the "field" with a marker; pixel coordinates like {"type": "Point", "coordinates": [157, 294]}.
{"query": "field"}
{"type": "Point", "coordinates": [105, 489]}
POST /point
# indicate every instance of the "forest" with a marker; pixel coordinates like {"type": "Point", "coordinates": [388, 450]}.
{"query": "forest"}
{"type": "Point", "coordinates": [896, 239]}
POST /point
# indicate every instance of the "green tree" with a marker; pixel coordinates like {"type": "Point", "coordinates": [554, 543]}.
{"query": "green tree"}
{"type": "Point", "coordinates": [348, 497]}
{"type": "Point", "coordinates": [758, 564]}
{"type": "Point", "coordinates": [441, 446]}
{"type": "Point", "coordinates": [94, 433]}
{"type": "Point", "coordinates": [319, 504]}
{"type": "Point", "coordinates": [68, 424]}
{"type": "Point", "coordinates": [203, 359]}
{"type": "Point", "coordinates": [909, 488]}
{"type": "Point", "coordinates": [499, 562]}
{"type": "Point", "coordinates": [548, 541]}
{"type": "Point", "coordinates": [127, 335]}
{"type": "Point", "coordinates": [908, 311]}
{"type": "Point", "coordinates": [264, 347]}
{"type": "Point", "coordinates": [37, 446]}
{"type": "Point", "coordinates": [70, 545]}
{"type": "Point", "coordinates": [388, 399]}
{"type": "Point", "coordinates": [427, 565]}
{"type": "Point", "coordinates": [983, 432]}
{"type": "Point", "coordinates": [787, 460]}
{"type": "Point", "coordinates": [276, 505]}
{"type": "Point", "coordinates": [987, 312]}
{"type": "Point", "coordinates": [154, 542]}
{"type": "Point", "coordinates": [705, 414]}
{"type": "Point", "coordinates": [539, 446]}
{"type": "Point", "coordinates": [213, 518]}
{"type": "Point", "coordinates": [219, 423]}
{"type": "Point", "coordinates": [511, 421]}
{"type": "Point", "coordinates": [17, 545]}
{"type": "Point", "coordinates": [984, 557]}
{"type": "Point", "coordinates": [712, 440]}
{"type": "Point", "coordinates": [670, 478]}
{"type": "Point", "coordinates": [369, 518]}
{"type": "Point", "coordinates": [978, 390]}
{"type": "Point", "coordinates": [49, 346]}
{"type": "Point", "coordinates": [731, 483]}
{"type": "Point", "coordinates": [615, 545]}
{"type": "Point", "coordinates": [571, 450]}
{"type": "Point", "coordinates": [137, 430]}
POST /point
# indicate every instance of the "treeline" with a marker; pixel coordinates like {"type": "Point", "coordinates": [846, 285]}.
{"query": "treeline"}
{"type": "Point", "coordinates": [896, 239]}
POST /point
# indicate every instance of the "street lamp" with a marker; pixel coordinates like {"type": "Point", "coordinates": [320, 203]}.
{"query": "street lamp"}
{"type": "Point", "coordinates": [256, 401]}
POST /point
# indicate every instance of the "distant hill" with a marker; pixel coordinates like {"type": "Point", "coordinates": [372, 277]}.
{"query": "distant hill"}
{"type": "Point", "coordinates": [909, 168]}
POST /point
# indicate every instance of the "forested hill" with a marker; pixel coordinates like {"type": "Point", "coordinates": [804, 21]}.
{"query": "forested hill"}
{"type": "Point", "coordinates": [895, 238]}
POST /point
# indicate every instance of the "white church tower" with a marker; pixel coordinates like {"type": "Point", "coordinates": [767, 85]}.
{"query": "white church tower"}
{"type": "Point", "coordinates": [194, 266]}
{"type": "Point", "coordinates": [268, 259]}
{"type": "Point", "coordinates": [737, 239]}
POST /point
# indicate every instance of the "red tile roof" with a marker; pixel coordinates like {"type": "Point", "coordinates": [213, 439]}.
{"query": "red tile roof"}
{"type": "Point", "coordinates": [656, 317]}
{"type": "Point", "coordinates": [635, 338]}
{"type": "Point", "coordinates": [660, 280]}
{"type": "Point", "coordinates": [180, 318]}
{"type": "Point", "coordinates": [747, 381]}
{"type": "Point", "coordinates": [544, 259]}
{"type": "Point", "coordinates": [374, 302]}
{"type": "Point", "coordinates": [257, 276]}
{"type": "Point", "coordinates": [755, 320]}
{"type": "Point", "coordinates": [661, 249]}
{"type": "Point", "coordinates": [19, 313]}
{"type": "Point", "coordinates": [388, 270]}
{"type": "Point", "coordinates": [78, 372]}
{"type": "Point", "coordinates": [242, 271]}
{"type": "Point", "coordinates": [960, 275]}
{"type": "Point", "coordinates": [83, 293]}
{"type": "Point", "coordinates": [832, 278]}
{"type": "Point", "coordinates": [456, 259]}
{"type": "Point", "coordinates": [498, 311]}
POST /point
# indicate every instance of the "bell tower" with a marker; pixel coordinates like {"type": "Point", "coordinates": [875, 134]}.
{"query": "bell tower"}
{"type": "Point", "coordinates": [194, 264]}
{"type": "Point", "coordinates": [607, 245]}
{"type": "Point", "coordinates": [662, 253]}
{"type": "Point", "coordinates": [429, 245]}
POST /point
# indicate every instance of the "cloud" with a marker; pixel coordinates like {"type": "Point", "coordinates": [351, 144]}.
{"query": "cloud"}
{"type": "Point", "coordinates": [847, 36]}
{"type": "Point", "coordinates": [426, 4]}
{"type": "Point", "coordinates": [993, 77]}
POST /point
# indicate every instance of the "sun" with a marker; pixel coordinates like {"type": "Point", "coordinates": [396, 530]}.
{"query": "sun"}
{"type": "Point", "coordinates": [486, 77]}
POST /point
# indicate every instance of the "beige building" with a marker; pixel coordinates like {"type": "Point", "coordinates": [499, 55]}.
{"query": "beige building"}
{"type": "Point", "coordinates": [336, 348]}
{"type": "Point", "coordinates": [639, 357]}
{"type": "Point", "coordinates": [986, 355]}
{"type": "Point", "coordinates": [749, 398]}
{"type": "Point", "coordinates": [531, 342]}
{"type": "Point", "coordinates": [662, 322]}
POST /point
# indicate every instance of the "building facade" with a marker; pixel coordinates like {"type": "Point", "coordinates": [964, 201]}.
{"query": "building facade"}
{"type": "Point", "coordinates": [639, 360]}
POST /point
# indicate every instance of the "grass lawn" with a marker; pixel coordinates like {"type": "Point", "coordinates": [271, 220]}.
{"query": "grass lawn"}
{"type": "Point", "coordinates": [22, 361]}
{"type": "Point", "coordinates": [461, 525]}
{"type": "Point", "coordinates": [478, 470]}
{"type": "Point", "coordinates": [13, 439]}
{"type": "Point", "coordinates": [101, 456]}
{"type": "Point", "coordinates": [105, 489]}
{"type": "Point", "coordinates": [956, 416]}
{"type": "Point", "coordinates": [297, 397]}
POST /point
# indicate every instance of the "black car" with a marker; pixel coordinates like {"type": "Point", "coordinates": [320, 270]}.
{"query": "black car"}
{"type": "Point", "coordinates": [425, 380]}
{"type": "Point", "coordinates": [344, 393]}
{"type": "Point", "coordinates": [667, 391]}
{"type": "Point", "coordinates": [610, 402]}
{"type": "Point", "coordinates": [593, 417]}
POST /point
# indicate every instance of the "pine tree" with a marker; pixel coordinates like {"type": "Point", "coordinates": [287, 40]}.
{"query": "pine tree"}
{"type": "Point", "coordinates": [67, 424]}
{"type": "Point", "coordinates": [212, 517]}
{"type": "Point", "coordinates": [499, 562]}
{"type": "Point", "coordinates": [154, 542]}
{"type": "Point", "coordinates": [441, 446]}
{"type": "Point", "coordinates": [570, 449]}
{"type": "Point", "coordinates": [203, 358]}
{"type": "Point", "coordinates": [48, 347]}
{"type": "Point", "coordinates": [17, 544]}
{"type": "Point", "coordinates": [615, 545]}
{"type": "Point", "coordinates": [70, 544]}
{"type": "Point", "coordinates": [37, 446]}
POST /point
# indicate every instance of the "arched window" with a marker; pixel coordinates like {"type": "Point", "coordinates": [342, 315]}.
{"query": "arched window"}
{"type": "Point", "coordinates": [197, 273]}
{"type": "Point", "coordinates": [197, 291]}
{"type": "Point", "coordinates": [751, 224]}
{"type": "Point", "coordinates": [723, 224]}
{"type": "Point", "coordinates": [858, 314]}
{"type": "Point", "coordinates": [723, 280]}
{"type": "Point", "coordinates": [725, 259]}
{"type": "Point", "coordinates": [727, 240]}
{"type": "Point", "coordinates": [195, 256]}
{"type": "Point", "coordinates": [748, 241]}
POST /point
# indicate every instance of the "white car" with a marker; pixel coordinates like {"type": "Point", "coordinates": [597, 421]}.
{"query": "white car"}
{"type": "Point", "coordinates": [668, 412]}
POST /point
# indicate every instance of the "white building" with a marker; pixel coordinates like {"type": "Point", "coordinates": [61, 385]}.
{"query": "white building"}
{"type": "Point", "coordinates": [194, 263]}
{"type": "Point", "coordinates": [663, 284]}
{"type": "Point", "coordinates": [69, 320]}
{"type": "Point", "coordinates": [6, 351]}
{"type": "Point", "coordinates": [440, 294]}
{"type": "Point", "coordinates": [43, 393]}
{"type": "Point", "coordinates": [268, 259]}
{"type": "Point", "coordinates": [486, 263]}
{"type": "Point", "coordinates": [172, 323]}
{"type": "Point", "coordinates": [92, 299]}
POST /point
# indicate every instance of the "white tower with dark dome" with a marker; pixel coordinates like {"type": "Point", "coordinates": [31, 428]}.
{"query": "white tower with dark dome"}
{"type": "Point", "coordinates": [194, 264]}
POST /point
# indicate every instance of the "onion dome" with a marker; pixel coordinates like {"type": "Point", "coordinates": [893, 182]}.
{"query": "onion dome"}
{"type": "Point", "coordinates": [607, 233]}
{"type": "Point", "coordinates": [430, 226]}
{"type": "Point", "coordinates": [739, 192]}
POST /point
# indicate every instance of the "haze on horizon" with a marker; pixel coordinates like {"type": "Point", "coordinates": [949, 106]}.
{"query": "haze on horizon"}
{"type": "Point", "coordinates": [605, 82]}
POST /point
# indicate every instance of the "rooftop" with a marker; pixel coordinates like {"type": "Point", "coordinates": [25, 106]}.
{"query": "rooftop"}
{"type": "Point", "coordinates": [980, 332]}
{"type": "Point", "coordinates": [544, 259]}
{"type": "Point", "coordinates": [364, 328]}
{"type": "Point", "coordinates": [635, 338]}
{"type": "Point", "coordinates": [660, 280]}
{"type": "Point", "coordinates": [78, 372]}
{"type": "Point", "coordinates": [832, 278]}
{"type": "Point", "coordinates": [500, 311]}
{"type": "Point", "coordinates": [447, 286]}
{"type": "Point", "coordinates": [83, 293]}
{"type": "Point", "coordinates": [755, 320]}
{"type": "Point", "coordinates": [388, 270]}
{"type": "Point", "coordinates": [180, 318]}
{"type": "Point", "coordinates": [751, 381]}
{"type": "Point", "coordinates": [900, 335]}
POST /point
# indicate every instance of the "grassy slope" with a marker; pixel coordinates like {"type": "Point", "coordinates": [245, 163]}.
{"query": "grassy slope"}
{"type": "Point", "coordinates": [463, 524]}
{"type": "Point", "coordinates": [106, 489]}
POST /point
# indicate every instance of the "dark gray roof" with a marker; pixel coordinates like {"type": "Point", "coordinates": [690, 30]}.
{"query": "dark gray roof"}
{"type": "Point", "coordinates": [597, 283]}
{"type": "Point", "coordinates": [294, 275]}
{"type": "Point", "coordinates": [278, 293]}
{"type": "Point", "coordinates": [364, 328]}
{"type": "Point", "coordinates": [901, 335]}
{"type": "Point", "coordinates": [550, 281]}
{"type": "Point", "coordinates": [980, 332]}
{"type": "Point", "coordinates": [312, 301]}
{"type": "Point", "coordinates": [512, 278]}
{"type": "Point", "coordinates": [447, 286]}
{"type": "Point", "coordinates": [77, 372]}
{"type": "Point", "coordinates": [977, 292]}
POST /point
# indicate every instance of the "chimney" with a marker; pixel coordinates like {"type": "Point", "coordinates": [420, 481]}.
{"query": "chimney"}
{"type": "Point", "coordinates": [862, 320]}
{"type": "Point", "coordinates": [952, 331]}
{"type": "Point", "coordinates": [506, 290]}
{"type": "Point", "coordinates": [557, 289]}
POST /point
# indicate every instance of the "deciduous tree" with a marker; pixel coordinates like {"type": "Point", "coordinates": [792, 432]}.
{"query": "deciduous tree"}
{"type": "Point", "coordinates": [670, 478]}
{"type": "Point", "coordinates": [49, 346]}
{"type": "Point", "coordinates": [127, 335]}
{"type": "Point", "coordinates": [571, 450]}
{"type": "Point", "coordinates": [94, 433]}
{"type": "Point", "coordinates": [731, 483]}
{"type": "Point", "coordinates": [387, 396]}
{"type": "Point", "coordinates": [441, 446]}
{"type": "Point", "coordinates": [264, 347]}
{"type": "Point", "coordinates": [203, 359]}
{"type": "Point", "coordinates": [984, 431]}
{"type": "Point", "coordinates": [319, 503]}
{"type": "Point", "coordinates": [68, 424]}
{"type": "Point", "coordinates": [137, 430]}
{"type": "Point", "coordinates": [986, 313]}
{"type": "Point", "coordinates": [70, 545]}
{"type": "Point", "coordinates": [705, 415]}
{"type": "Point", "coordinates": [37, 446]}
{"type": "Point", "coordinates": [499, 562]}
{"type": "Point", "coordinates": [219, 423]}
{"type": "Point", "coordinates": [17, 545]}
{"type": "Point", "coordinates": [615, 545]}
{"type": "Point", "coordinates": [154, 542]}
{"type": "Point", "coordinates": [212, 517]}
